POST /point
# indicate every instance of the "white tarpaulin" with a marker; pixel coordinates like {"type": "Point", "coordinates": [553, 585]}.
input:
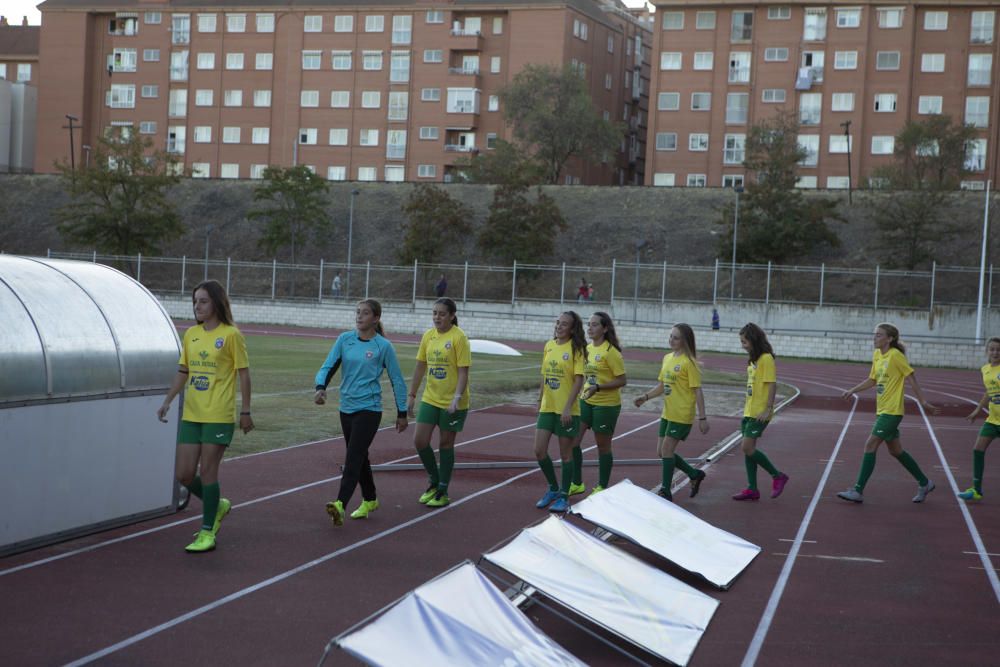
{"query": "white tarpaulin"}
{"type": "Point", "coordinates": [670, 531]}
{"type": "Point", "coordinates": [458, 619]}
{"type": "Point", "coordinates": [481, 346]}
{"type": "Point", "coordinates": [610, 587]}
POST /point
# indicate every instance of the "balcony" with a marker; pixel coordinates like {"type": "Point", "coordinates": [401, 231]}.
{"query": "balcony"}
{"type": "Point", "coordinates": [460, 148]}
{"type": "Point", "coordinates": [464, 77]}
{"type": "Point", "coordinates": [465, 40]}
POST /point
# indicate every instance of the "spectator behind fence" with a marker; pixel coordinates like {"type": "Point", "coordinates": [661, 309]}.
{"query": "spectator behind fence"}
{"type": "Point", "coordinates": [583, 292]}
{"type": "Point", "coordinates": [441, 287]}
{"type": "Point", "coordinates": [336, 286]}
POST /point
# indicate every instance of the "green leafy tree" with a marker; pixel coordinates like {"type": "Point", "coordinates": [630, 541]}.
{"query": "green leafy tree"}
{"type": "Point", "coordinates": [437, 225]}
{"type": "Point", "coordinates": [554, 118]}
{"type": "Point", "coordinates": [292, 203]}
{"type": "Point", "coordinates": [119, 202]}
{"type": "Point", "coordinates": [777, 221]}
{"type": "Point", "coordinates": [520, 229]}
{"type": "Point", "coordinates": [919, 186]}
{"type": "Point", "coordinates": [504, 165]}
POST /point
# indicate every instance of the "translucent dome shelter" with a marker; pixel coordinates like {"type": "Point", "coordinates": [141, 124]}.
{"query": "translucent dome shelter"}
{"type": "Point", "coordinates": [86, 356]}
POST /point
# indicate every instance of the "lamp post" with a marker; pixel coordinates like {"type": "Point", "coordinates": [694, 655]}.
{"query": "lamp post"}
{"type": "Point", "coordinates": [72, 150]}
{"type": "Point", "coordinates": [982, 267]}
{"type": "Point", "coordinates": [847, 135]}
{"type": "Point", "coordinates": [350, 240]}
{"type": "Point", "coordinates": [208, 233]}
{"type": "Point", "coordinates": [736, 226]}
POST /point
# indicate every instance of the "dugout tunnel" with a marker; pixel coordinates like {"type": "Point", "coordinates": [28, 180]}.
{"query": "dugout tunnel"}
{"type": "Point", "coordinates": [86, 357]}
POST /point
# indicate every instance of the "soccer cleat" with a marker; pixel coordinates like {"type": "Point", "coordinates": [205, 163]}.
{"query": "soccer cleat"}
{"type": "Point", "coordinates": [364, 509]}
{"type": "Point", "coordinates": [335, 509]}
{"type": "Point", "coordinates": [220, 514]}
{"type": "Point", "coordinates": [922, 491]}
{"type": "Point", "coordinates": [204, 540]}
{"type": "Point", "coordinates": [428, 494]}
{"type": "Point", "coordinates": [576, 489]}
{"type": "Point", "coordinates": [546, 500]}
{"type": "Point", "coordinates": [970, 494]}
{"type": "Point", "coordinates": [778, 484]}
{"type": "Point", "coordinates": [596, 489]}
{"type": "Point", "coordinates": [696, 482]}
{"type": "Point", "coordinates": [440, 499]}
{"type": "Point", "coordinates": [664, 493]}
{"type": "Point", "coordinates": [561, 504]}
{"type": "Point", "coordinates": [747, 494]}
{"type": "Point", "coordinates": [852, 494]}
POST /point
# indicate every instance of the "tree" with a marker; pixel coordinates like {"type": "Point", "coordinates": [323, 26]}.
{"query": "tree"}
{"type": "Point", "coordinates": [520, 229]}
{"type": "Point", "coordinates": [928, 165]}
{"type": "Point", "coordinates": [293, 203]}
{"type": "Point", "coordinates": [554, 118]}
{"type": "Point", "coordinates": [504, 165]}
{"type": "Point", "coordinates": [119, 201]}
{"type": "Point", "coordinates": [776, 220]}
{"type": "Point", "coordinates": [437, 224]}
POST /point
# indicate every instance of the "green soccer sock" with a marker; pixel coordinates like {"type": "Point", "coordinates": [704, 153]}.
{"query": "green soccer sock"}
{"type": "Point", "coordinates": [577, 465]}
{"type": "Point", "coordinates": [194, 488]}
{"type": "Point", "coordinates": [604, 465]}
{"type": "Point", "coordinates": [210, 505]}
{"type": "Point", "coordinates": [667, 473]}
{"type": "Point", "coordinates": [684, 466]}
{"type": "Point", "coordinates": [751, 467]}
{"type": "Point", "coordinates": [430, 465]}
{"type": "Point", "coordinates": [867, 468]}
{"type": "Point", "coordinates": [447, 465]}
{"type": "Point", "coordinates": [912, 468]}
{"type": "Point", "coordinates": [761, 459]}
{"type": "Point", "coordinates": [978, 464]}
{"type": "Point", "coordinates": [567, 476]}
{"type": "Point", "coordinates": [549, 471]}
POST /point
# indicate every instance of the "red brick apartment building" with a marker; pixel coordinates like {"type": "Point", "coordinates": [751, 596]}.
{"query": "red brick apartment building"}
{"type": "Point", "coordinates": [720, 67]}
{"type": "Point", "coordinates": [18, 52]}
{"type": "Point", "coordinates": [368, 91]}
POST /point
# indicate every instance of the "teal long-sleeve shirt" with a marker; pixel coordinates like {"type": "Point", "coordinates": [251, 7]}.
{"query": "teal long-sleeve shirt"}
{"type": "Point", "coordinates": [361, 363]}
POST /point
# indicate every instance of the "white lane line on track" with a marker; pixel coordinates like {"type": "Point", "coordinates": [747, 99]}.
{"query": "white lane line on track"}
{"type": "Point", "coordinates": [976, 553]}
{"type": "Point", "coordinates": [851, 559]}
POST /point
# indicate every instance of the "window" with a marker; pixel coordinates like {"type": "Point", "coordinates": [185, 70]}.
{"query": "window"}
{"type": "Point", "coordinates": [311, 59]}
{"type": "Point", "coordinates": [814, 60]}
{"type": "Point", "coordinates": [932, 62]}
{"type": "Point", "coordinates": [338, 136]}
{"type": "Point", "coordinates": [462, 100]}
{"type": "Point", "coordinates": [177, 101]}
{"type": "Point", "coordinates": [845, 60]}
{"type": "Point", "coordinates": [773, 96]}
{"type": "Point", "coordinates": [336, 173]}
{"type": "Point", "coordinates": [887, 60]}
{"type": "Point", "coordinates": [972, 185]}
{"type": "Point", "coordinates": [842, 102]}
{"type": "Point", "coordinates": [375, 23]}
{"type": "Point", "coordinates": [890, 17]}
{"type": "Point", "coordinates": [150, 91]}
{"type": "Point", "coordinates": [810, 105]}
{"type": "Point", "coordinates": [151, 55]}
{"type": "Point", "coordinates": [837, 182]}
{"type": "Point", "coordinates": [426, 171]}
{"type": "Point", "coordinates": [737, 105]}
{"type": "Point", "coordinates": [673, 20]}
{"type": "Point", "coordinates": [399, 105]}
{"type": "Point", "coordinates": [179, 66]}
{"type": "Point", "coordinates": [885, 102]}
{"type": "Point", "coordinates": [312, 24]}
{"type": "Point", "coordinates": [430, 95]}
{"type": "Point", "coordinates": [341, 60]}
{"type": "Point", "coordinates": [935, 20]}
{"type": "Point", "coordinates": [399, 67]}
{"type": "Point", "coordinates": [180, 28]}
{"type": "Point", "coordinates": [668, 101]}
{"type": "Point", "coordinates": [607, 82]}
{"type": "Point", "coordinates": [201, 170]}
{"type": "Point", "coordinates": [703, 60]}
{"type": "Point", "coordinates": [806, 182]}
{"type": "Point", "coordinates": [742, 28]}
{"type": "Point", "coordinates": [176, 138]}
{"type": "Point", "coordinates": [264, 61]}
{"type": "Point", "coordinates": [975, 156]}
{"type": "Point", "coordinates": [343, 23]}
{"type": "Point", "coordinates": [202, 134]}
{"type": "Point", "coordinates": [230, 135]}
{"type": "Point", "coordinates": [838, 143]}
{"type": "Point", "coordinates": [662, 179]}
{"type": "Point", "coordinates": [980, 65]}
{"type": "Point", "coordinates": [579, 29]}
{"type": "Point", "coordinates": [494, 64]}
{"type": "Point", "coordinates": [809, 143]}
{"type": "Point", "coordinates": [262, 98]}
{"type": "Point", "coordinates": [698, 141]}
{"type": "Point", "coordinates": [121, 96]}
{"type": "Point", "coordinates": [429, 133]}
{"type": "Point", "coordinates": [666, 141]}
{"type": "Point", "coordinates": [732, 181]}
{"type": "Point", "coordinates": [371, 60]}
{"type": "Point", "coordinates": [3, 71]}
{"type": "Point", "coordinates": [206, 61]}
{"type": "Point", "coordinates": [776, 54]}
{"type": "Point", "coordinates": [204, 97]}
{"type": "Point", "coordinates": [229, 170]}
{"type": "Point", "coordinates": [704, 21]}
{"type": "Point", "coordinates": [368, 138]}
{"type": "Point", "coordinates": [982, 27]}
{"type": "Point", "coordinates": [234, 61]}
{"type": "Point", "coordinates": [701, 101]}
{"type": "Point", "coordinates": [433, 56]}
{"type": "Point", "coordinates": [402, 29]}
{"type": "Point", "coordinates": [367, 174]}
{"type": "Point", "coordinates": [434, 16]}
{"type": "Point", "coordinates": [696, 180]}
{"type": "Point", "coordinates": [309, 98]}
{"type": "Point", "coordinates": [308, 136]}
{"type": "Point", "coordinates": [814, 28]}
{"type": "Point", "coordinates": [233, 98]}
{"type": "Point", "coordinates": [340, 99]}
{"type": "Point", "coordinates": [236, 22]}
{"type": "Point", "coordinates": [929, 104]}
{"type": "Point", "coordinates": [493, 104]}
{"type": "Point", "coordinates": [265, 22]}
{"type": "Point", "coordinates": [371, 99]}
{"type": "Point", "coordinates": [670, 60]}
{"type": "Point", "coordinates": [206, 22]}
{"type": "Point", "coordinates": [121, 60]}
{"type": "Point", "coordinates": [734, 149]}
{"type": "Point", "coordinates": [497, 25]}
{"type": "Point", "coordinates": [848, 17]}
{"type": "Point", "coordinates": [395, 145]}
{"type": "Point", "coordinates": [883, 145]}
{"type": "Point", "coordinates": [779, 13]}
{"type": "Point", "coordinates": [977, 111]}
{"type": "Point", "coordinates": [739, 68]}
{"type": "Point", "coordinates": [152, 18]}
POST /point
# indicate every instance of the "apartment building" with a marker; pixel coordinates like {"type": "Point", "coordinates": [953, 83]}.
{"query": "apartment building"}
{"type": "Point", "coordinates": [387, 91]}
{"type": "Point", "coordinates": [854, 74]}
{"type": "Point", "coordinates": [19, 52]}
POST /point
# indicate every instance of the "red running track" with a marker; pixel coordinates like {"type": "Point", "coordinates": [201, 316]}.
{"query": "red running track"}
{"type": "Point", "coordinates": [888, 582]}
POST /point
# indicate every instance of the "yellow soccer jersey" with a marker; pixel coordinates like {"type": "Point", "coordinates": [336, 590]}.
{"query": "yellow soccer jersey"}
{"type": "Point", "coordinates": [889, 370]}
{"type": "Point", "coordinates": [604, 364]}
{"type": "Point", "coordinates": [212, 359]}
{"type": "Point", "coordinates": [444, 354]}
{"type": "Point", "coordinates": [559, 368]}
{"type": "Point", "coordinates": [991, 380]}
{"type": "Point", "coordinates": [680, 377]}
{"type": "Point", "coordinates": [758, 374]}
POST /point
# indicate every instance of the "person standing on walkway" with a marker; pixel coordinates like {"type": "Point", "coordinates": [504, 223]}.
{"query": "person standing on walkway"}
{"type": "Point", "coordinates": [680, 384]}
{"type": "Point", "coordinates": [758, 410]}
{"type": "Point", "coordinates": [362, 355]}
{"type": "Point", "coordinates": [444, 357]}
{"type": "Point", "coordinates": [889, 369]}
{"type": "Point", "coordinates": [991, 429]}
{"type": "Point", "coordinates": [336, 286]}
{"type": "Point", "coordinates": [441, 287]}
{"type": "Point", "coordinates": [213, 362]}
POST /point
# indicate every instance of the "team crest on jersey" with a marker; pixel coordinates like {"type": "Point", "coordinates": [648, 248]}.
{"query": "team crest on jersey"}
{"type": "Point", "coordinates": [565, 356]}
{"type": "Point", "coordinates": [203, 354]}
{"type": "Point", "coordinates": [369, 354]}
{"type": "Point", "coordinates": [677, 368]}
{"type": "Point", "coordinates": [447, 345]}
{"type": "Point", "coordinates": [597, 357]}
{"type": "Point", "coordinates": [218, 343]}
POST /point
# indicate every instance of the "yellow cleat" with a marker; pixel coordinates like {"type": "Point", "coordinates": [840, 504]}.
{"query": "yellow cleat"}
{"type": "Point", "coordinates": [335, 509]}
{"type": "Point", "coordinates": [204, 540]}
{"type": "Point", "coordinates": [364, 509]}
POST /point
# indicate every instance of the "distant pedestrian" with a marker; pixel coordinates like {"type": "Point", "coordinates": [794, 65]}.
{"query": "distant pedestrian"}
{"type": "Point", "coordinates": [336, 286]}
{"type": "Point", "coordinates": [715, 319]}
{"type": "Point", "coordinates": [583, 292]}
{"type": "Point", "coordinates": [991, 429]}
{"type": "Point", "coordinates": [590, 291]}
{"type": "Point", "coordinates": [441, 287]}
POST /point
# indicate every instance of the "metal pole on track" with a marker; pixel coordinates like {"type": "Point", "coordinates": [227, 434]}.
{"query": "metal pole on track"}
{"type": "Point", "coordinates": [982, 267]}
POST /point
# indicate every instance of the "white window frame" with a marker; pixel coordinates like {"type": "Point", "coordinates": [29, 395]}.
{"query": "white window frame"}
{"type": "Point", "coordinates": [734, 148]}
{"type": "Point", "coordinates": [932, 62]}
{"type": "Point", "coordinates": [264, 22]}
{"type": "Point", "coordinates": [339, 136]}
{"type": "Point", "coordinates": [884, 102]}
{"type": "Point", "coordinates": [930, 105]}
{"type": "Point", "coordinates": [771, 96]}
{"type": "Point", "coordinates": [340, 99]}
{"type": "Point", "coordinates": [698, 142]}
{"type": "Point", "coordinates": [890, 18]}
{"type": "Point", "coordinates": [935, 20]}
{"type": "Point", "coordinates": [883, 60]}
{"type": "Point", "coordinates": [668, 101]}
{"type": "Point", "coordinates": [672, 20]}
{"type": "Point", "coordinates": [309, 99]}
{"type": "Point", "coordinates": [312, 23]}
{"type": "Point", "coordinates": [704, 20]}
{"type": "Point", "coordinates": [671, 61]}
{"type": "Point", "coordinates": [842, 102]}
{"type": "Point", "coordinates": [885, 144]}
{"type": "Point", "coordinates": [375, 23]}
{"type": "Point", "coordinates": [776, 54]}
{"type": "Point", "coordinates": [845, 60]}
{"type": "Point", "coordinates": [204, 97]}
{"type": "Point", "coordinates": [231, 134]}
{"type": "Point", "coordinates": [706, 101]}
{"type": "Point", "coordinates": [263, 61]}
{"type": "Point", "coordinates": [260, 135]}
{"type": "Point", "coordinates": [262, 98]}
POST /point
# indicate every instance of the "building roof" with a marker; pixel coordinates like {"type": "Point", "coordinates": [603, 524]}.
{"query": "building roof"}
{"type": "Point", "coordinates": [19, 41]}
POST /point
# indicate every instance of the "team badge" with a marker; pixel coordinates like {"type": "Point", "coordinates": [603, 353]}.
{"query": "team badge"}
{"type": "Point", "coordinates": [447, 345]}
{"type": "Point", "coordinates": [597, 357]}
{"type": "Point", "coordinates": [369, 354]}
{"type": "Point", "coordinates": [565, 356]}
{"type": "Point", "coordinates": [218, 343]}
{"type": "Point", "coordinates": [677, 368]}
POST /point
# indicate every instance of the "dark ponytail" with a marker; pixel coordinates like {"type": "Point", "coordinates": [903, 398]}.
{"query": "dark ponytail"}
{"type": "Point", "coordinates": [376, 309]}
{"type": "Point", "coordinates": [893, 333]}
{"type": "Point", "coordinates": [759, 344]}
{"type": "Point", "coordinates": [577, 336]}
{"type": "Point", "coordinates": [452, 308]}
{"type": "Point", "coordinates": [609, 329]}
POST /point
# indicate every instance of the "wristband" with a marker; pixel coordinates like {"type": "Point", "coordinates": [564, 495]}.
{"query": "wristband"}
{"type": "Point", "coordinates": [701, 419]}
{"type": "Point", "coordinates": [244, 414]}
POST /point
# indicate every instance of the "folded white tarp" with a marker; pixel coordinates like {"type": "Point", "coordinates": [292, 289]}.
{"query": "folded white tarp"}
{"type": "Point", "coordinates": [458, 618]}
{"type": "Point", "coordinates": [664, 528]}
{"type": "Point", "coordinates": [610, 587]}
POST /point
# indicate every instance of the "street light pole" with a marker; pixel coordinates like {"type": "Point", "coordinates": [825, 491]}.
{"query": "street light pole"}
{"type": "Point", "coordinates": [736, 226]}
{"type": "Point", "coordinates": [982, 267]}
{"type": "Point", "coordinates": [72, 150]}
{"type": "Point", "coordinates": [847, 134]}
{"type": "Point", "coordinates": [350, 240]}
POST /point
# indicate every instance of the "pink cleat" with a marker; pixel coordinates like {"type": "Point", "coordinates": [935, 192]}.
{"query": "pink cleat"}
{"type": "Point", "coordinates": [747, 494]}
{"type": "Point", "coordinates": [778, 485]}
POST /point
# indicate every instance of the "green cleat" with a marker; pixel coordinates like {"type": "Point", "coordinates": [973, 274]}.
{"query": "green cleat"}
{"type": "Point", "coordinates": [596, 489]}
{"type": "Point", "coordinates": [364, 509]}
{"type": "Point", "coordinates": [440, 499]}
{"type": "Point", "coordinates": [428, 494]}
{"type": "Point", "coordinates": [220, 514]}
{"type": "Point", "coordinates": [204, 540]}
{"type": "Point", "coordinates": [335, 509]}
{"type": "Point", "coordinates": [577, 489]}
{"type": "Point", "coordinates": [970, 494]}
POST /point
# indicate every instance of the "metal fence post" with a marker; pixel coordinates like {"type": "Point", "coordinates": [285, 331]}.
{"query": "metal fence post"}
{"type": "Point", "coordinates": [562, 286]}
{"type": "Point", "coordinates": [715, 283]}
{"type": "Point", "coordinates": [95, 257]}
{"type": "Point", "coordinates": [663, 285]}
{"type": "Point", "coordinates": [614, 272]}
{"type": "Point", "coordinates": [465, 284]}
{"type": "Point", "coordinates": [321, 280]}
{"type": "Point", "coordinates": [513, 285]}
{"type": "Point", "coordinates": [989, 295]}
{"type": "Point", "coordinates": [933, 278]}
{"type": "Point", "coordinates": [876, 285]}
{"type": "Point", "coordinates": [229, 269]}
{"type": "Point", "coordinates": [413, 300]}
{"type": "Point", "coordinates": [183, 271]}
{"type": "Point", "coordinates": [138, 267]}
{"type": "Point", "coordinates": [767, 290]}
{"type": "Point", "coordinates": [368, 272]}
{"type": "Point", "coordinates": [274, 276]}
{"type": "Point", "coordinates": [822, 277]}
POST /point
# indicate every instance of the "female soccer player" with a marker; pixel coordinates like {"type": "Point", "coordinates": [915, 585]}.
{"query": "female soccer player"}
{"type": "Point", "coordinates": [680, 382]}
{"type": "Point", "coordinates": [213, 359]}
{"type": "Point", "coordinates": [444, 356]}
{"type": "Point", "coordinates": [362, 354]}
{"type": "Point", "coordinates": [601, 400]}
{"type": "Point", "coordinates": [757, 411]}
{"type": "Point", "coordinates": [889, 369]}
{"type": "Point", "coordinates": [991, 429]}
{"type": "Point", "coordinates": [559, 407]}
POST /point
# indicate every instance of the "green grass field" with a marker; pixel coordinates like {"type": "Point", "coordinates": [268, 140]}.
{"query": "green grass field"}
{"type": "Point", "coordinates": [283, 369]}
